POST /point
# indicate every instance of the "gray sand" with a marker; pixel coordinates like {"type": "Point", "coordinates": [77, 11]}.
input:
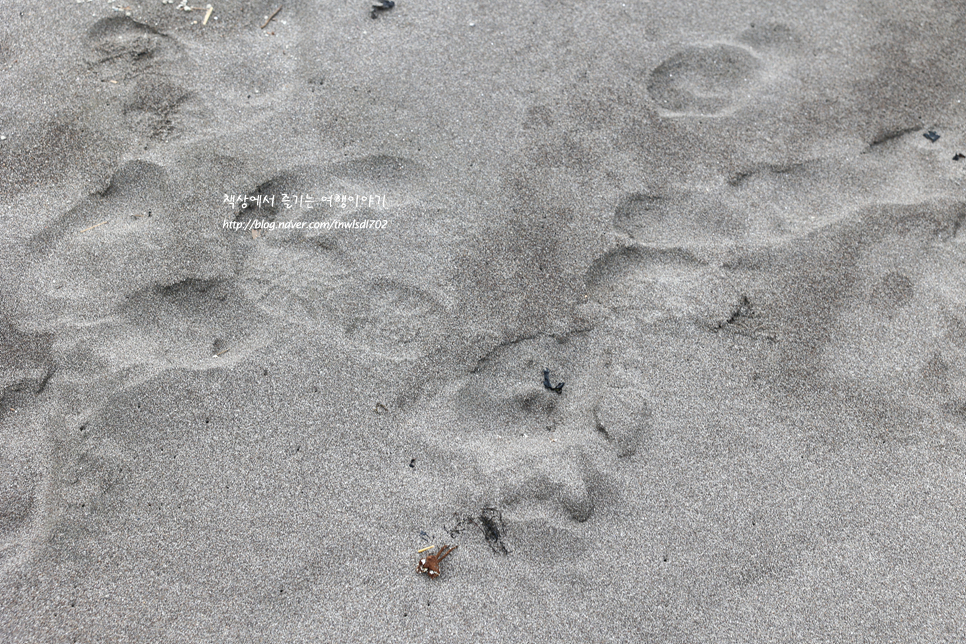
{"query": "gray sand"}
{"type": "Point", "coordinates": [720, 225]}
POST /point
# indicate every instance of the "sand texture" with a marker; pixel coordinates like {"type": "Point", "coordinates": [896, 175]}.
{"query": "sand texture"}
{"type": "Point", "coordinates": [733, 231]}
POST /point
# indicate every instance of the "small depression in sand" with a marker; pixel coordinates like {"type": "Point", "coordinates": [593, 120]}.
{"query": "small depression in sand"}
{"type": "Point", "coordinates": [704, 81]}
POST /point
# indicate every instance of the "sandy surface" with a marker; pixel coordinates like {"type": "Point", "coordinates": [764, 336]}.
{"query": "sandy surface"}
{"type": "Point", "coordinates": [720, 225]}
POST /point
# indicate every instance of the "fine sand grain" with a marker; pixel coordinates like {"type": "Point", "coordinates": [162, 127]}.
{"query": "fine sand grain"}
{"type": "Point", "coordinates": [729, 229]}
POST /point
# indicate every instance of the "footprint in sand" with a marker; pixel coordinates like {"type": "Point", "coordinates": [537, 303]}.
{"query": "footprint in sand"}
{"type": "Point", "coordinates": [123, 48]}
{"type": "Point", "coordinates": [704, 80]}
{"type": "Point", "coordinates": [394, 319]}
{"type": "Point", "coordinates": [153, 108]}
{"type": "Point", "coordinates": [192, 321]}
{"type": "Point", "coordinates": [542, 458]}
{"type": "Point", "coordinates": [328, 278]}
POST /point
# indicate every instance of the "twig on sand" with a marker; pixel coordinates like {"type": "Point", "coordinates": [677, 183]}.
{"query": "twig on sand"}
{"type": "Point", "coordinates": [94, 226]}
{"type": "Point", "coordinates": [546, 382]}
{"type": "Point", "coordinates": [271, 16]}
{"type": "Point", "coordinates": [207, 15]}
{"type": "Point", "coordinates": [419, 552]}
